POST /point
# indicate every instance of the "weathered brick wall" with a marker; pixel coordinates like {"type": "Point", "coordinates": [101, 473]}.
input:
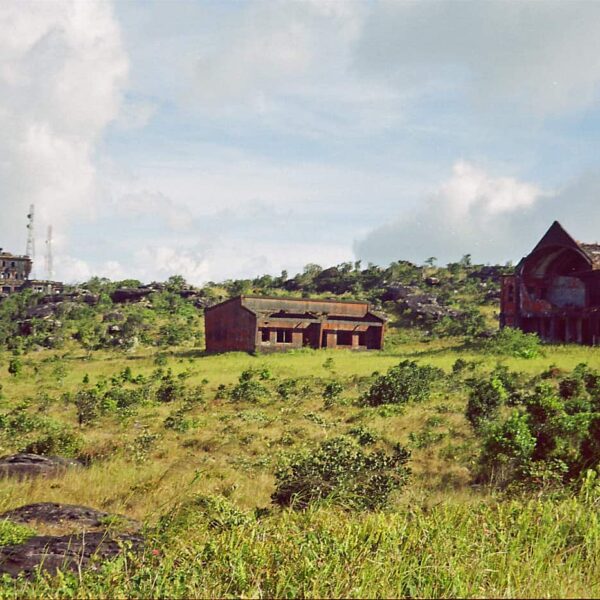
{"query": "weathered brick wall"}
{"type": "Point", "coordinates": [229, 326]}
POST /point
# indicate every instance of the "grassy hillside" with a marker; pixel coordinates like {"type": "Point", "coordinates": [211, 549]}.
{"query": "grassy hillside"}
{"type": "Point", "coordinates": [439, 535]}
{"type": "Point", "coordinates": [192, 445]}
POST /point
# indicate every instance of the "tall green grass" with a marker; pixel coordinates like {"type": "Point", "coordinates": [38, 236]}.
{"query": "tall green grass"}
{"type": "Point", "coordinates": [535, 548]}
{"type": "Point", "coordinates": [440, 537]}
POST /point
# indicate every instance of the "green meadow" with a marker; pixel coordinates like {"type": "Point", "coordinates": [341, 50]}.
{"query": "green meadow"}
{"type": "Point", "coordinates": [198, 469]}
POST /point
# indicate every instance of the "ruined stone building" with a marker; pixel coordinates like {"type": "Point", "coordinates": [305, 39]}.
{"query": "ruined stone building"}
{"type": "Point", "coordinates": [555, 290]}
{"type": "Point", "coordinates": [14, 271]}
{"type": "Point", "coordinates": [265, 324]}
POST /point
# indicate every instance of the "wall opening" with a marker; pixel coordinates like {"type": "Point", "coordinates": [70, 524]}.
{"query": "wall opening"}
{"type": "Point", "coordinates": [344, 338]}
{"type": "Point", "coordinates": [284, 336]}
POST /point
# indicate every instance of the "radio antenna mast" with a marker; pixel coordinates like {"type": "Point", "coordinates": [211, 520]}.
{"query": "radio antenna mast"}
{"type": "Point", "coordinates": [49, 258]}
{"type": "Point", "coordinates": [30, 233]}
{"type": "Point", "coordinates": [30, 251]}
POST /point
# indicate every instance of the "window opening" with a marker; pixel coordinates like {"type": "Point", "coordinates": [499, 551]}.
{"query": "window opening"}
{"type": "Point", "coordinates": [344, 338]}
{"type": "Point", "coordinates": [284, 336]}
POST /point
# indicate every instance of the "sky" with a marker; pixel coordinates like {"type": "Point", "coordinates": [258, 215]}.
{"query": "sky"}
{"type": "Point", "coordinates": [223, 139]}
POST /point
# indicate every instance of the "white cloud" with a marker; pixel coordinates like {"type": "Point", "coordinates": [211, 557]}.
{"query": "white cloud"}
{"type": "Point", "coordinates": [472, 212]}
{"type": "Point", "coordinates": [471, 190]}
{"type": "Point", "coordinates": [540, 55]}
{"type": "Point", "coordinates": [62, 68]}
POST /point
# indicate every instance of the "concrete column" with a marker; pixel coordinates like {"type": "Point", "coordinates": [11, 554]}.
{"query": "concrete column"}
{"type": "Point", "coordinates": [579, 325]}
{"type": "Point", "coordinates": [320, 342]}
{"type": "Point", "coordinates": [355, 335]}
{"type": "Point", "coordinates": [331, 339]}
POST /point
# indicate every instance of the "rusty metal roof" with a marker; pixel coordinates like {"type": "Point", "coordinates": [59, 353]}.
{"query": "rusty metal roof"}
{"type": "Point", "coordinates": [282, 307]}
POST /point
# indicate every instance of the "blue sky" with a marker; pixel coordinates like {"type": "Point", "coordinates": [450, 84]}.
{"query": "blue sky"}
{"type": "Point", "coordinates": [229, 139]}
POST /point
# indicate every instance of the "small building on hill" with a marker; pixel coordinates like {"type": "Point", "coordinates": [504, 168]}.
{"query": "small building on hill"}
{"type": "Point", "coordinates": [14, 271]}
{"type": "Point", "coordinates": [266, 324]}
{"type": "Point", "coordinates": [555, 290]}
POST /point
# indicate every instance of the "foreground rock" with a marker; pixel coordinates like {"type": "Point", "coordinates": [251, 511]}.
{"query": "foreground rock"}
{"type": "Point", "coordinates": [69, 515]}
{"type": "Point", "coordinates": [33, 465]}
{"type": "Point", "coordinates": [65, 552]}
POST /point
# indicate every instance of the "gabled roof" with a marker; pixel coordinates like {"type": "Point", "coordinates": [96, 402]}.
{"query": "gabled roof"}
{"type": "Point", "coordinates": [558, 236]}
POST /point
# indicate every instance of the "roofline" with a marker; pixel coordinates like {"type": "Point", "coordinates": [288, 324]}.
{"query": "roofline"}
{"type": "Point", "coordinates": [255, 297]}
{"type": "Point", "coordinates": [576, 247]}
{"type": "Point", "coordinates": [18, 256]}
{"type": "Point", "coordinates": [242, 297]}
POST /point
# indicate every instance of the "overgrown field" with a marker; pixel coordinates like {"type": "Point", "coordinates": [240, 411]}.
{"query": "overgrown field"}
{"type": "Point", "coordinates": [440, 471]}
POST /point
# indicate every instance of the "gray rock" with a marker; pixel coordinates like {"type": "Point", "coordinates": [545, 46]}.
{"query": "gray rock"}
{"type": "Point", "coordinates": [25, 465]}
{"type": "Point", "coordinates": [65, 552]}
{"type": "Point", "coordinates": [72, 515]}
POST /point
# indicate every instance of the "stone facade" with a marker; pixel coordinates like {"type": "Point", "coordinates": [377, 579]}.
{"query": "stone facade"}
{"type": "Point", "coordinates": [555, 290]}
{"type": "Point", "coordinates": [14, 271]}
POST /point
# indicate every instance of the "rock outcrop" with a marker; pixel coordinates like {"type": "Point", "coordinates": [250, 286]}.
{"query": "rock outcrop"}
{"type": "Point", "coordinates": [25, 465]}
{"type": "Point", "coordinates": [71, 515]}
{"type": "Point", "coordinates": [65, 552]}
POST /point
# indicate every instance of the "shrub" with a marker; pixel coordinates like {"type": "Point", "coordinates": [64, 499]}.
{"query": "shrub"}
{"type": "Point", "coordinates": [340, 470]}
{"type": "Point", "coordinates": [248, 389]}
{"type": "Point", "coordinates": [406, 382]}
{"type": "Point", "coordinates": [286, 388]}
{"type": "Point", "coordinates": [364, 436]}
{"type": "Point", "coordinates": [15, 366]}
{"type": "Point", "coordinates": [332, 392]}
{"type": "Point", "coordinates": [57, 441]}
{"type": "Point", "coordinates": [513, 342]}
{"type": "Point", "coordinates": [217, 512]}
{"type": "Point", "coordinates": [550, 439]}
{"type": "Point", "coordinates": [170, 388]}
{"type": "Point", "coordinates": [14, 533]}
{"type": "Point", "coordinates": [507, 450]}
{"type": "Point", "coordinates": [177, 420]}
{"type": "Point", "coordinates": [485, 399]}
{"type": "Point", "coordinates": [142, 445]}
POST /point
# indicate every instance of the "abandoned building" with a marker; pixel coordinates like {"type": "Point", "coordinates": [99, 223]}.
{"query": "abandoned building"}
{"type": "Point", "coordinates": [14, 271]}
{"type": "Point", "coordinates": [555, 290]}
{"type": "Point", "coordinates": [265, 324]}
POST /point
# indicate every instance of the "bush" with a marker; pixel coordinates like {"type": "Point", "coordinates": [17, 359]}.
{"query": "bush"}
{"type": "Point", "coordinates": [332, 392]}
{"type": "Point", "coordinates": [171, 388]}
{"type": "Point", "coordinates": [57, 441]}
{"type": "Point", "coordinates": [406, 382]}
{"type": "Point", "coordinates": [215, 511]}
{"type": "Point", "coordinates": [513, 342]}
{"type": "Point", "coordinates": [248, 388]}
{"type": "Point", "coordinates": [14, 533]}
{"type": "Point", "coordinates": [142, 445]}
{"type": "Point", "coordinates": [15, 366]}
{"type": "Point", "coordinates": [507, 450]}
{"type": "Point", "coordinates": [364, 436]}
{"type": "Point", "coordinates": [340, 470]}
{"type": "Point", "coordinates": [552, 438]}
{"type": "Point", "coordinates": [485, 399]}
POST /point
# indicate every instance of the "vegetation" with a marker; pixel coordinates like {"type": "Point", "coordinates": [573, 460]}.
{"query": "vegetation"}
{"type": "Point", "coordinates": [452, 463]}
{"type": "Point", "coordinates": [340, 470]}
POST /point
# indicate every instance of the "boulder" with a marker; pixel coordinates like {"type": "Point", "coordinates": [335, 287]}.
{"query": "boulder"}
{"type": "Point", "coordinates": [25, 465]}
{"type": "Point", "coordinates": [123, 295]}
{"type": "Point", "coordinates": [65, 552]}
{"type": "Point", "coordinates": [71, 515]}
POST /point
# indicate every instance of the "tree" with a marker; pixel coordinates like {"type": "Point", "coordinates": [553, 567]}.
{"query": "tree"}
{"type": "Point", "coordinates": [431, 261]}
